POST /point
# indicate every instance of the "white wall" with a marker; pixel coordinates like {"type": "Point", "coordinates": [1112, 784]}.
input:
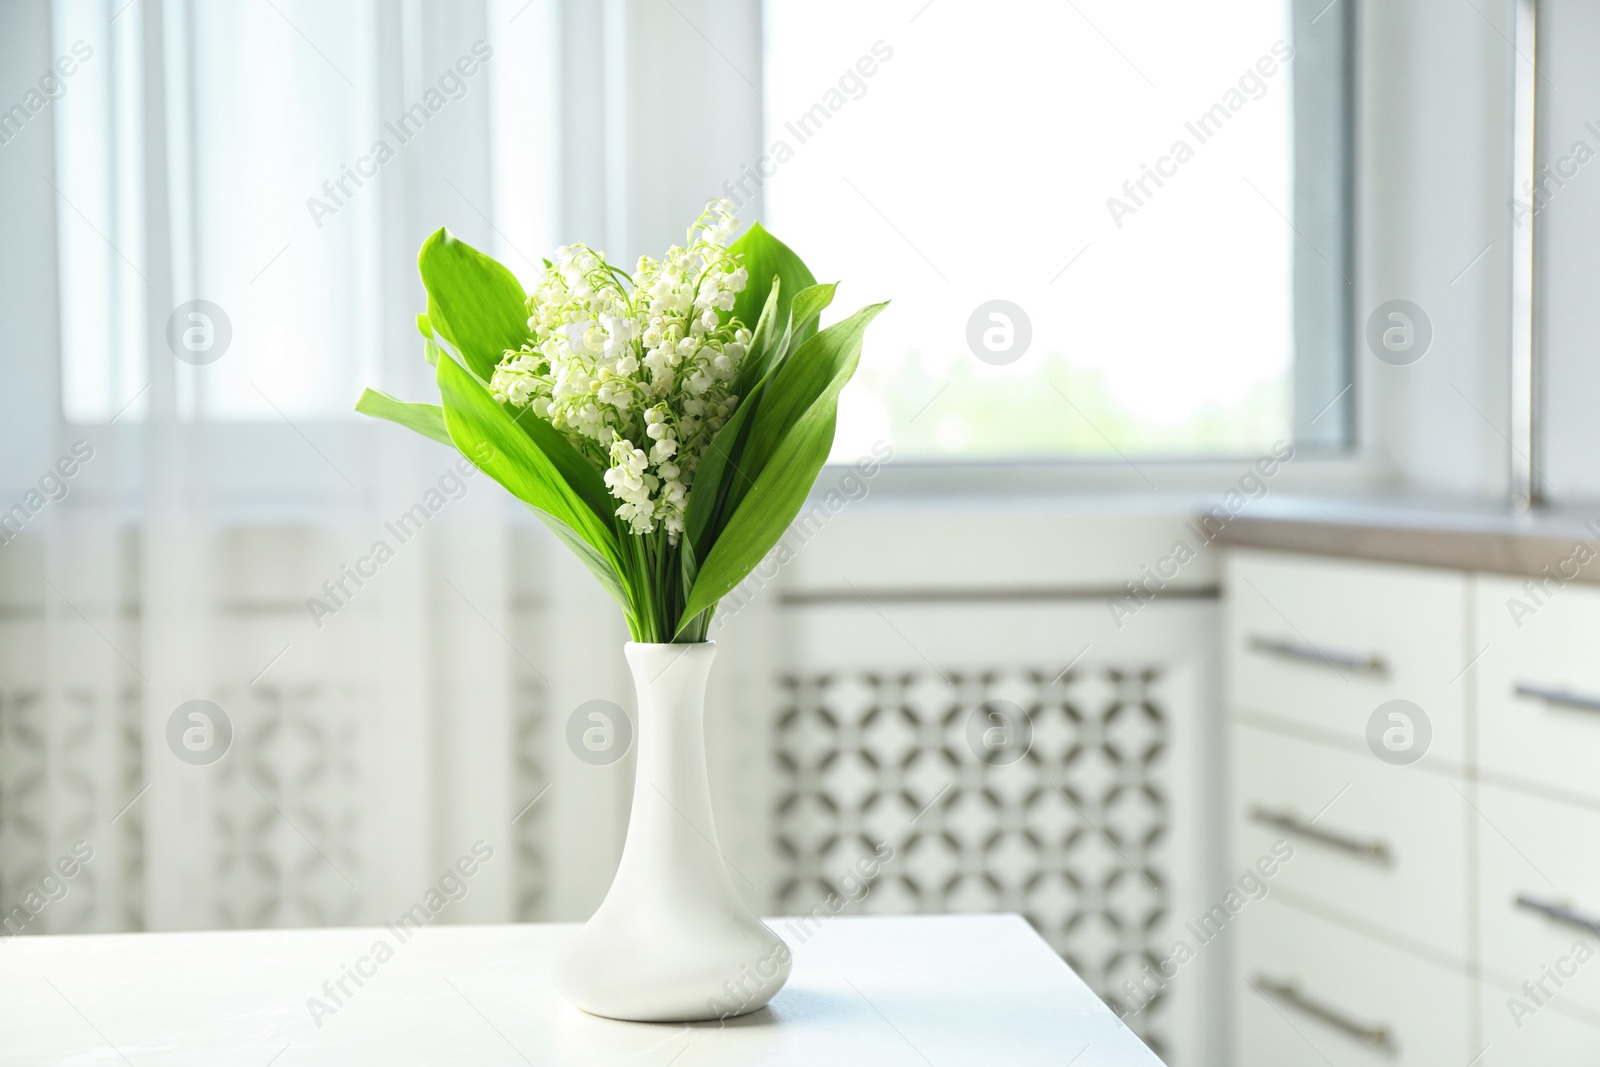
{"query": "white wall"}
{"type": "Point", "coordinates": [1567, 316]}
{"type": "Point", "coordinates": [1434, 122]}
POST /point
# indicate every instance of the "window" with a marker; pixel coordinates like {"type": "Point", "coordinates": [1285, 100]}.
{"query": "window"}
{"type": "Point", "coordinates": [1155, 192]}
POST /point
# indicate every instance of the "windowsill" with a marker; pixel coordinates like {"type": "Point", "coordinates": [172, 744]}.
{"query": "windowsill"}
{"type": "Point", "coordinates": [1132, 478]}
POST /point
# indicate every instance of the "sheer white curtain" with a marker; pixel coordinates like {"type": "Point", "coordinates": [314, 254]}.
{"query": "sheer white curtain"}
{"type": "Point", "coordinates": [222, 543]}
{"type": "Point", "coordinates": [393, 646]}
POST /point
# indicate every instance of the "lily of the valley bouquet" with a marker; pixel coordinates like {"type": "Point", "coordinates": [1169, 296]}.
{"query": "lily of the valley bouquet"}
{"type": "Point", "coordinates": [667, 424]}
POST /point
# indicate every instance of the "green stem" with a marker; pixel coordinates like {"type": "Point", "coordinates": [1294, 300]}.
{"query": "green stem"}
{"type": "Point", "coordinates": [643, 625]}
{"type": "Point", "coordinates": [652, 569]}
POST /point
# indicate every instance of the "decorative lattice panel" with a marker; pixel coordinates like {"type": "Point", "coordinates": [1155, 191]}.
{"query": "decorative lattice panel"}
{"type": "Point", "coordinates": [532, 778]}
{"type": "Point", "coordinates": [24, 796]}
{"type": "Point", "coordinates": [1067, 829]}
{"type": "Point", "coordinates": [55, 791]}
{"type": "Point", "coordinates": [288, 808]}
{"type": "Point", "coordinates": [130, 818]}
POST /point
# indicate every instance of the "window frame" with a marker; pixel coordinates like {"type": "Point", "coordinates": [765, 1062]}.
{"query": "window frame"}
{"type": "Point", "coordinates": [1327, 396]}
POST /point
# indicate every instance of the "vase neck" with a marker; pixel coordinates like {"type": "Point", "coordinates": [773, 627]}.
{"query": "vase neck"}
{"type": "Point", "coordinates": [669, 680]}
{"type": "Point", "coordinates": [671, 791]}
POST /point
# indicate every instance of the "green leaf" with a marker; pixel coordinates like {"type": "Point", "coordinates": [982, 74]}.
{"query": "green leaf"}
{"type": "Point", "coordinates": [725, 473]}
{"type": "Point", "coordinates": [430, 347]}
{"type": "Point", "coordinates": [581, 475]}
{"type": "Point", "coordinates": [807, 375]}
{"type": "Point", "coordinates": [486, 434]}
{"type": "Point", "coordinates": [766, 258]}
{"type": "Point", "coordinates": [774, 338]}
{"type": "Point", "coordinates": [474, 303]}
{"type": "Point", "coordinates": [720, 462]}
{"type": "Point", "coordinates": [788, 445]}
{"type": "Point", "coordinates": [713, 479]}
{"type": "Point", "coordinates": [426, 419]}
{"type": "Point", "coordinates": [766, 344]}
{"type": "Point", "coordinates": [808, 305]}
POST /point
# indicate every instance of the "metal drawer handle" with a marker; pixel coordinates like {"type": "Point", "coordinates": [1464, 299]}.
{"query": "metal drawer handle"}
{"type": "Point", "coordinates": [1559, 913]}
{"type": "Point", "coordinates": [1309, 653]}
{"type": "Point", "coordinates": [1376, 1037]}
{"type": "Point", "coordinates": [1550, 694]}
{"type": "Point", "coordinates": [1375, 850]}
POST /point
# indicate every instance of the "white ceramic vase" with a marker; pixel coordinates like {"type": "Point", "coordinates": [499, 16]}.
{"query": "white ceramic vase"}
{"type": "Point", "coordinates": [672, 941]}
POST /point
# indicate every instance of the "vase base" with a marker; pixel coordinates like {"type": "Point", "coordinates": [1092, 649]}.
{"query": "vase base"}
{"type": "Point", "coordinates": [606, 972]}
{"type": "Point", "coordinates": [702, 1017]}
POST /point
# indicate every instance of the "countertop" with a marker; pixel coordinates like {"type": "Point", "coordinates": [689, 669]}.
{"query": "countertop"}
{"type": "Point", "coordinates": [950, 990]}
{"type": "Point", "coordinates": [1460, 538]}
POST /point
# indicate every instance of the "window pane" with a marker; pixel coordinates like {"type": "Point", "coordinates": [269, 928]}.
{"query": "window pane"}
{"type": "Point", "coordinates": [1121, 173]}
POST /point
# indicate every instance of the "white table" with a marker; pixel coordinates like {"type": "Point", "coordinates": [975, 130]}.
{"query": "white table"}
{"type": "Point", "coordinates": [886, 991]}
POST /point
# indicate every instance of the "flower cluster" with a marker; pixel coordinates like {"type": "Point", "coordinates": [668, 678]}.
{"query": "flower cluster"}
{"type": "Point", "coordinates": [636, 371]}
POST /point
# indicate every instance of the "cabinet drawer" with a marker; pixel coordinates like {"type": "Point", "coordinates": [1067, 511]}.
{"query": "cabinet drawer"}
{"type": "Point", "coordinates": [1548, 1036]}
{"type": "Point", "coordinates": [1327, 641]}
{"type": "Point", "coordinates": [1539, 884]}
{"type": "Point", "coordinates": [1385, 844]}
{"type": "Point", "coordinates": [1538, 684]}
{"type": "Point", "coordinates": [1310, 991]}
